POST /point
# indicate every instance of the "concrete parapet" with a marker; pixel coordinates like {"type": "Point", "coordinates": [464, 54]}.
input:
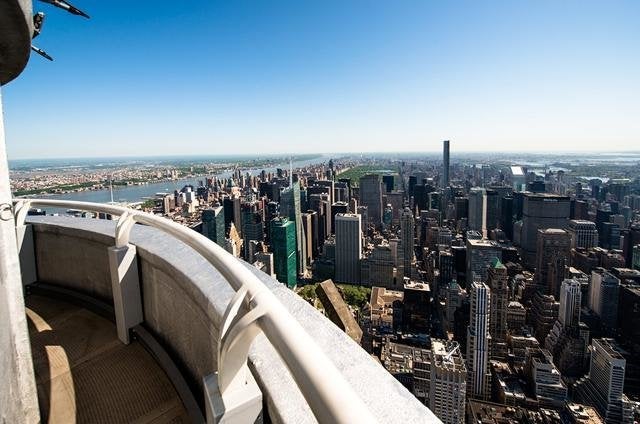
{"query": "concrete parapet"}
{"type": "Point", "coordinates": [184, 298]}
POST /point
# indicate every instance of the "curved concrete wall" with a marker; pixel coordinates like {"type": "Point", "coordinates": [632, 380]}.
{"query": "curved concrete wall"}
{"type": "Point", "coordinates": [184, 298]}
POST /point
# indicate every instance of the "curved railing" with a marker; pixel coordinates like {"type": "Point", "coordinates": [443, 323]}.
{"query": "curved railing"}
{"type": "Point", "coordinates": [328, 394]}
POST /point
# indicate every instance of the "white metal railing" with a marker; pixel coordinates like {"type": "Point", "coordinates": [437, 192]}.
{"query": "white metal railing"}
{"type": "Point", "coordinates": [329, 395]}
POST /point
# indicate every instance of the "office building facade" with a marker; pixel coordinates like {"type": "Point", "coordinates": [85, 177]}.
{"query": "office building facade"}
{"type": "Point", "coordinates": [371, 197]}
{"type": "Point", "coordinates": [213, 225]}
{"type": "Point", "coordinates": [348, 248]}
{"type": "Point", "coordinates": [541, 211]}
{"type": "Point", "coordinates": [478, 343]}
{"type": "Point", "coordinates": [553, 253]}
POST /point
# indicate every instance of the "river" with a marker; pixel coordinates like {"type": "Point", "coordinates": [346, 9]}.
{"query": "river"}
{"type": "Point", "coordinates": [136, 193]}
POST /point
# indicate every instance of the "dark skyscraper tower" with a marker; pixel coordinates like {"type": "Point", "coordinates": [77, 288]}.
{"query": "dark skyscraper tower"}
{"type": "Point", "coordinates": [371, 197]}
{"type": "Point", "coordinates": [445, 164]}
{"type": "Point", "coordinates": [213, 224]}
{"type": "Point", "coordinates": [388, 182]}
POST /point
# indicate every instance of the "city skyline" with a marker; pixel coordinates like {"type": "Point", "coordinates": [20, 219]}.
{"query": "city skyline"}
{"type": "Point", "coordinates": [329, 78]}
{"type": "Point", "coordinates": [152, 276]}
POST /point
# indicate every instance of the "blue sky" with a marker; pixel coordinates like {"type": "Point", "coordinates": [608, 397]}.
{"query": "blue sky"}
{"type": "Point", "coordinates": [230, 77]}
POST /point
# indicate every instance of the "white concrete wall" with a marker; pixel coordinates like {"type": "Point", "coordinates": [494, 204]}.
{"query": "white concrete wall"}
{"type": "Point", "coordinates": [18, 400]}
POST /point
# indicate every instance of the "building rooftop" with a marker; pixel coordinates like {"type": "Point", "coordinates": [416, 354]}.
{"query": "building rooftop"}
{"type": "Point", "coordinates": [414, 285]}
{"type": "Point", "coordinates": [545, 197]}
{"type": "Point", "coordinates": [517, 171]}
{"type": "Point", "coordinates": [381, 296]}
{"type": "Point", "coordinates": [348, 215]}
{"type": "Point", "coordinates": [611, 347]}
{"type": "Point", "coordinates": [447, 354]}
{"type": "Point", "coordinates": [480, 243]}
{"type": "Point", "coordinates": [583, 414]}
{"type": "Point", "coordinates": [552, 231]}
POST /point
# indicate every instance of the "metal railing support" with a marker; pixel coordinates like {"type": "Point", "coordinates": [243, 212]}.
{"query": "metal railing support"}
{"type": "Point", "coordinates": [241, 405]}
{"type": "Point", "coordinates": [232, 394]}
{"type": "Point", "coordinates": [125, 286]}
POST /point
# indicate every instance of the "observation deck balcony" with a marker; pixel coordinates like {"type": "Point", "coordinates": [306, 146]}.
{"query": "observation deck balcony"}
{"type": "Point", "coordinates": [185, 311]}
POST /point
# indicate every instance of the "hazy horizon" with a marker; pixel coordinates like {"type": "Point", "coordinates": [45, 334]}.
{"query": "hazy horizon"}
{"type": "Point", "coordinates": [204, 156]}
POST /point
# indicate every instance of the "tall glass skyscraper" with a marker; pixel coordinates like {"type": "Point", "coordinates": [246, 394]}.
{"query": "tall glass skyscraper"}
{"type": "Point", "coordinates": [283, 245]}
{"type": "Point", "coordinates": [290, 208]}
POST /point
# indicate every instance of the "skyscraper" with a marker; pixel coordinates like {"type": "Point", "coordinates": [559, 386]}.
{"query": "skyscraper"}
{"type": "Point", "coordinates": [336, 208]}
{"type": "Point", "coordinates": [610, 235]}
{"type": "Point", "coordinates": [631, 239]}
{"type": "Point", "coordinates": [506, 216]}
{"type": "Point", "coordinates": [290, 207]}
{"type": "Point", "coordinates": [570, 300]}
{"type": "Point", "coordinates": [237, 213]}
{"type": "Point", "coordinates": [477, 210]}
{"type": "Point", "coordinates": [480, 255]}
{"type": "Point", "coordinates": [498, 282]}
{"type": "Point", "coordinates": [584, 234]}
{"type": "Point", "coordinates": [549, 389]}
{"type": "Point", "coordinates": [553, 252]}
{"type": "Point", "coordinates": [603, 297]}
{"type": "Point", "coordinates": [213, 224]}
{"type": "Point", "coordinates": [447, 382]}
{"type": "Point", "coordinates": [407, 230]}
{"type": "Point", "coordinates": [371, 197]}
{"type": "Point", "coordinates": [416, 313]}
{"type": "Point", "coordinates": [348, 248]}
{"type": "Point", "coordinates": [307, 227]}
{"type": "Point", "coordinates": [252, 227]}
{"type": "Point", "coordinates": [388, 181]}
{"type": "Point", "coordinates": [539, 212]}
{"type": "Point", "coordinates": [567, 341]}
{"type": "Point", "coordinates": [544, 313]}
{"type": "Point", "coordinates": [492, 206]}
{"type": "Point", "coordinates": [603, 387]}
{"type": "Point", "coordinates": [283, 245]}
{"type": "Point", "coordinates": [478, 339]}
{"type": "Point", "coordinates": [445, 163]}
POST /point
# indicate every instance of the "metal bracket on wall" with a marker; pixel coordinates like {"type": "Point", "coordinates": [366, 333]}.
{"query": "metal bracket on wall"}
{"type": "Point", "coordinates": [233, 395]}
{"type": "Point", "coordinates": [6, 212]}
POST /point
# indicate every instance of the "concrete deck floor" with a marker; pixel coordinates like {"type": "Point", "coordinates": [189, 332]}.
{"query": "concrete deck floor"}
{"type": "Point", "coordinates": [84, 374]}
